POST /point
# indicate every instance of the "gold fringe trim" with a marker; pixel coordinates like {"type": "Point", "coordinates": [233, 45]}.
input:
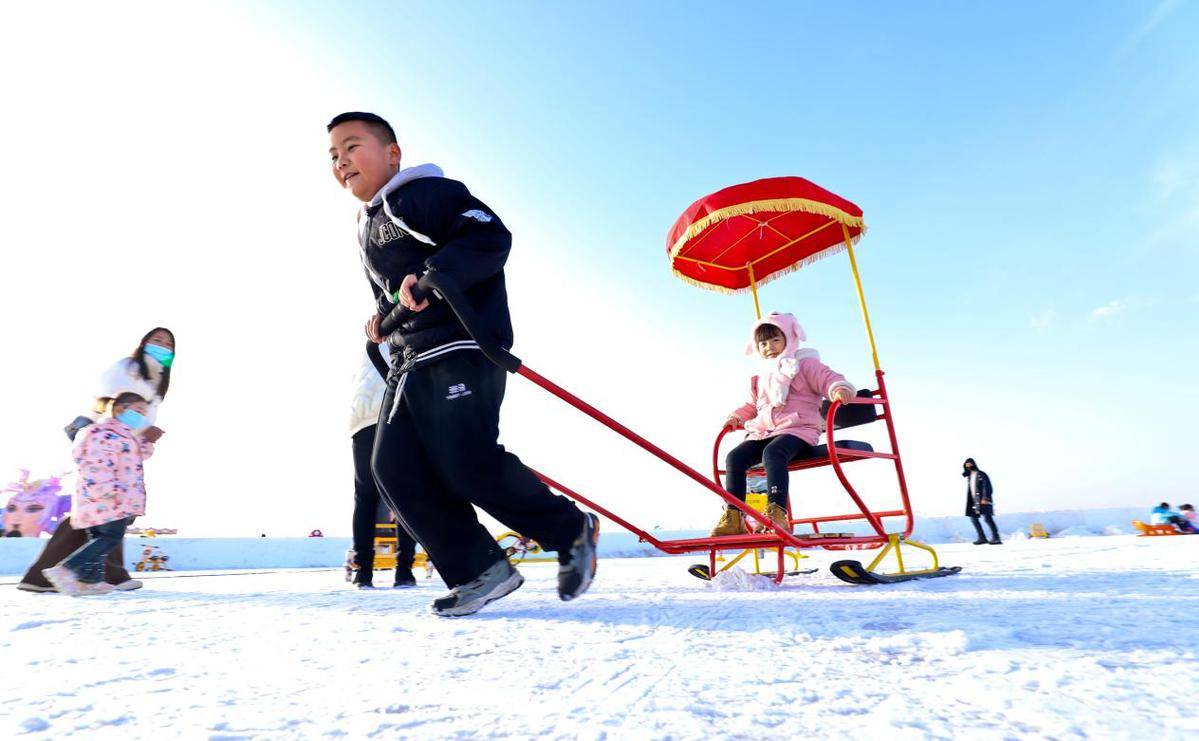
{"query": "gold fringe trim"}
{"type": "Point", "coordinates": [833, 250]}
{"type": "Point", "coordinates": [771, 204]}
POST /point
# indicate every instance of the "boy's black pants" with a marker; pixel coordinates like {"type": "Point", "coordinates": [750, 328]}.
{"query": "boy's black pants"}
{"type": "Point", "coordinates": [366, 511]}
{"type": "Point", "coordinates": [436, 453]}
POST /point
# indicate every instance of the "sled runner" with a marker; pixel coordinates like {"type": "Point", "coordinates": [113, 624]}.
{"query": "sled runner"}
{"type": "Point", "coordinates": [854, 573]}
{"type": "Point", "coordinates": [700, 571]}
{"type": "Point", "coordinates": [733, 241]}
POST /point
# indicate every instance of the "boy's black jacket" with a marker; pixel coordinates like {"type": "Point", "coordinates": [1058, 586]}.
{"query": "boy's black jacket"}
{"type": "Point", "coordinates": [435, 224]}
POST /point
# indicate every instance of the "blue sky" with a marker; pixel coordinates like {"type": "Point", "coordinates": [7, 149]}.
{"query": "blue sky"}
{"type": "Point", "coordinates": [1029, 174]}
{"type": "Point", "coordinates": [1021, 166]}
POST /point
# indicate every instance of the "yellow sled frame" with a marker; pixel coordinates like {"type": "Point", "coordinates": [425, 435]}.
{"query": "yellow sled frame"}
{"type": "Point", "coordinates": [895, 541]}
{"type": "Point", "coordinates": [758, 502]}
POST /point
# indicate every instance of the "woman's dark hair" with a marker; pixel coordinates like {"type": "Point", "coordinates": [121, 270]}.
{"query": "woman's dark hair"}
{"type": "Point", "coordinates": [767, 331]}
{"type": "Point", "coordinates": [139, 357]}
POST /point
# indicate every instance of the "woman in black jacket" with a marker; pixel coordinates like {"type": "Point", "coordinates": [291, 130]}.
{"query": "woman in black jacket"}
{"type": "Point", "coordinates": [979, 501]}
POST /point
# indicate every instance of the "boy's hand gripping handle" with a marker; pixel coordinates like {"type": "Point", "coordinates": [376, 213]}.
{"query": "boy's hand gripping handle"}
{"type": "Point", "coordinates": [399, 312]}
{"type": "Point", "coordinates": [445, 287]}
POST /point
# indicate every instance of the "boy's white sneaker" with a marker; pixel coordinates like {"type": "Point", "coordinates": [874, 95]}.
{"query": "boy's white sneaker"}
{"type": "Point", "coordinates": [498, 580]}
{"type": "Point", "coordinates": [128, 585]}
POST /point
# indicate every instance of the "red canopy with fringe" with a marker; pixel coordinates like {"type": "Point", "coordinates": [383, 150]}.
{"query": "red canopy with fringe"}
{"type": "Point", "coordinates": [754, 232]}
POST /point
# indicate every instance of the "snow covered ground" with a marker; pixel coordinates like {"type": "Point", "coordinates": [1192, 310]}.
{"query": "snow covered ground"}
{"type": "Point", "coordinates": [1069, 637]}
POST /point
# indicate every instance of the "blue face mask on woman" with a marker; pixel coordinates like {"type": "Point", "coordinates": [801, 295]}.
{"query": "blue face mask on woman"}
{"type": "Point", "coordinates": [132, 418]}
{"type": "Point", "coordinates": [161, 354]}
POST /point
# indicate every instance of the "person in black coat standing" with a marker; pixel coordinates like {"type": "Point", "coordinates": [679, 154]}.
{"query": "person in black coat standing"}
{"type": "Point", "coordinates": [979, 501]}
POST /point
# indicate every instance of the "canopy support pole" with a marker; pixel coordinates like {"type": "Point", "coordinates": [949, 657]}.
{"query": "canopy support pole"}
{"type": "Point", "coordinates": [753, 287]}
{"type": "Point", "coordinates": [857, 281]}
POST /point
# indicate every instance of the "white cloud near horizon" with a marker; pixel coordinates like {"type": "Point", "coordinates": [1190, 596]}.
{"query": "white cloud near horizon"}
{"type": "Point", "coordinates": [1110, 309]}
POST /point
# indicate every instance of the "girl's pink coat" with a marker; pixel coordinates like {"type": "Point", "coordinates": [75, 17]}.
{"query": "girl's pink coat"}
{"type": "Point", "coordinates": [799, 415]}
{"type": "Point", "coordinates": [111, 484]}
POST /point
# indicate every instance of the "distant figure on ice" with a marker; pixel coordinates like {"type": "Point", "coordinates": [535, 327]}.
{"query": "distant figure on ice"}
{"type": "Point", "coordinates": [110, 493]}
{"type": "Point", "coordinates": [147, 373]}
{"type": "Point", "coordinates": [782, 416]}
{"type": "Point", "coordinates": [1191, 516]}
{"type": "Point", "coordinates": [369, 385]}
{"type": "Point", "coordinates": [436, 447]}
{"type": "Point", "coordinates": [1163, 515]}
{"type": "Point", "coordinates": [979, 501]}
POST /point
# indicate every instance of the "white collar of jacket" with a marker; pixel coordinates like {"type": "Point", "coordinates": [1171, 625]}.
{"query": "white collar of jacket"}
{"type": "Point", "coordinates": [406, 175]}
{"type": "Point", "coordinates": [400, 178]}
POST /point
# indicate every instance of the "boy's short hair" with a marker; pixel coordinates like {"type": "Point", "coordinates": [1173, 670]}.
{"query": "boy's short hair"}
{"type": "Point", "coordinates": [767, 332]}
{"type": "Point", "coordinates": [128, 398]}
{"type": "Point", "coordinates": [376, 123]}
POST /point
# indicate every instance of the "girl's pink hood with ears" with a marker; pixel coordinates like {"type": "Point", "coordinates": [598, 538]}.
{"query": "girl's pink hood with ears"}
{"type": "Point", "coordinates": [790, 326]}
{"type": "Point", "coordinates": [786, 391]}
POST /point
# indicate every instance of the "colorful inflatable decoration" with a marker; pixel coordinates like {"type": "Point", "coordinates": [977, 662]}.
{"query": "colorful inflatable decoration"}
{"type": "Point", "coordinates": [153, 559]}
{"type": "Point", "coordinates": [35, 507]}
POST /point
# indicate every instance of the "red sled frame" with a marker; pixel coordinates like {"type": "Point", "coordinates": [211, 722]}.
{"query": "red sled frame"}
{"type": "Point", "coordinates": [772, 536]}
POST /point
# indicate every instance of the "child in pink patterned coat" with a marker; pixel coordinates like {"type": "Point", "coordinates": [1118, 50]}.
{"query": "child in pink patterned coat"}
{"type": "Point", "coordinates": [782, 417]}
{"type": "Point", "coordinates": [110, 493]}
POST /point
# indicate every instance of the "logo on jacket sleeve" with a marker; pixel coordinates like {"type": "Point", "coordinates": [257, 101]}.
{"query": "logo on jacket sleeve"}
{"type": "Point", "coordinates": [457, 390]}
{"type": "Point", "coordinates": [477, 215]}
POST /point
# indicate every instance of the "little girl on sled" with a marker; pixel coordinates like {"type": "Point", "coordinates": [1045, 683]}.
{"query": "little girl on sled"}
{"type": "Point", "coordinates": [782, 418]}
{"type": "Point", "coordinates": [109, 494]}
